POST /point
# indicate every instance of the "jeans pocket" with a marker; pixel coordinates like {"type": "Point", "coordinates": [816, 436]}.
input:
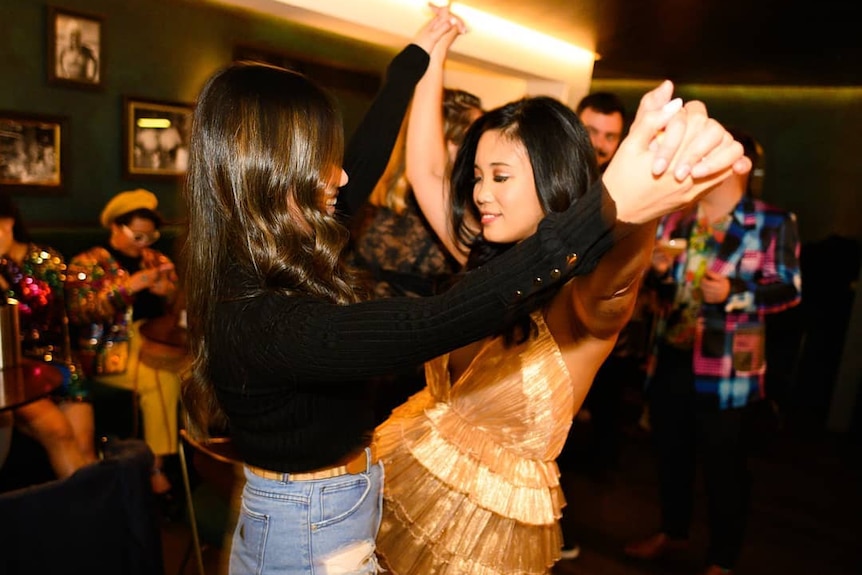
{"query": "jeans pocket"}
{"type": "Point", "coordinates": [249, 542]}
{"type": "Point", "coordinates": [341, 499]}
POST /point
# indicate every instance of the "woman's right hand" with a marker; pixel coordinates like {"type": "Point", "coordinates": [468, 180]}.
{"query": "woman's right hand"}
{"type": "Point", "coordinates": [438, 27]}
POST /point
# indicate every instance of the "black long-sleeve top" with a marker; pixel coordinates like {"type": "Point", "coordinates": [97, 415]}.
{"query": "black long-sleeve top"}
{"type": "Point", "coordinates": [292, 372]}
{"type": "Point", "coordinates": [368, 150]}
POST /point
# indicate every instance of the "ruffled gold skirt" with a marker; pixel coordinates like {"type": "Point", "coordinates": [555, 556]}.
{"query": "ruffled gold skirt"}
{"type": "Point", "coordinates": [456, 502]}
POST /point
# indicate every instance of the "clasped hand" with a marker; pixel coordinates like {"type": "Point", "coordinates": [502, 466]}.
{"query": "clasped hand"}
{"type": "Point", "coordinates": [158, 280]}
{"type": "Point", "coordinates": [671, 157]}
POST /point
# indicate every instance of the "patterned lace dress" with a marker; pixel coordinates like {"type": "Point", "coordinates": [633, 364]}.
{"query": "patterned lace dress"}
{"type": "Point", "coordinates": [471, 482]}
{"type": "Point", "coordinates": [401, 252]}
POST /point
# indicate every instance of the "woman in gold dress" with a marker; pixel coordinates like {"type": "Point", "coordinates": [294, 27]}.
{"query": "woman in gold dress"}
{"type": "Point", "coordinates": [471, 480]}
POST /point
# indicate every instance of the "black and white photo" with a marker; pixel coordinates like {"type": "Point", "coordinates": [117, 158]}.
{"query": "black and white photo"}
{"type": "Point", "coordinates": [75, 48]}
{"type": "Point", "coordinates": [156, 137]}
{"type": "Point", "coordinates": [31, 157]}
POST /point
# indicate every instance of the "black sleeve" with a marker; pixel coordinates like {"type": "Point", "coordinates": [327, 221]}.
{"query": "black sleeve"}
{"type": "Point", "coordinates": [368, 151]}
{"type": "Point", "coordinates": [312, 339]}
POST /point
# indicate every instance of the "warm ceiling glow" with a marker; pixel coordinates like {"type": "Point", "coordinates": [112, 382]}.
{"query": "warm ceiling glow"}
{"type": "Point", "coordinates": [490, 39]}
{"type": "Point", "coordinates": [505, 29]}
{"type": "Point", "coordinates": [508, 31]}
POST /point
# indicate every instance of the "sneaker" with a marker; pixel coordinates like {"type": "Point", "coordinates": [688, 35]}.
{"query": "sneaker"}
{"type": "Point", "coordinates": [570, 552]}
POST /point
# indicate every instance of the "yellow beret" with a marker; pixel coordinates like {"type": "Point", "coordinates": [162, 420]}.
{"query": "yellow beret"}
{"type": "Point", "coordinates": [126, 202]}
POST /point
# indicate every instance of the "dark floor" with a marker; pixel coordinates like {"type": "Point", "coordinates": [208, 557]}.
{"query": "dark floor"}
{"type": "Point", "coordinates": [806, 517]}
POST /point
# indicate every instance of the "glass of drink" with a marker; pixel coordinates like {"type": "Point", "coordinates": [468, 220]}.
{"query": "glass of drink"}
{"type": "Point", "coordinates": [672, 247]}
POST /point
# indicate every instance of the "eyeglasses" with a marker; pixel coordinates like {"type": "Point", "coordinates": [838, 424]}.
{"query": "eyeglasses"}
{"type": "Point", "coordinates": [141, 238]}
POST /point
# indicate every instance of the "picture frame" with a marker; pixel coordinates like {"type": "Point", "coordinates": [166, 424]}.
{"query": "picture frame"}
{"type": "Point", "coordinates": [33, 152]}
{"type": "Point", "coordinates": [155, 138]}
{"type": "Point", "coordinates": [76, 51]}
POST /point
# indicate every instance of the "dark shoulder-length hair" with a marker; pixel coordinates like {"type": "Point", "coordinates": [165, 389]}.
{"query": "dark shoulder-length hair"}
{"type": "Point", "coordinates": [562, 159]}
{"type": "Point", "coordinates": [265, 143]}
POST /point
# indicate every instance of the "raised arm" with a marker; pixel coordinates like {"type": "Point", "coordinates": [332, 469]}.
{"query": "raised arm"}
{"type": "Point", "coordinates": [426, 160]}
{"type": "Point", "coordinates": [368, 151]}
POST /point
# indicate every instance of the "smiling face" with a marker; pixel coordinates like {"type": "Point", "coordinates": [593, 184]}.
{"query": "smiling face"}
{"type": "Point", "coordinates": [505, 190]}
{"type": "Point", "coordinates": [518, 163]}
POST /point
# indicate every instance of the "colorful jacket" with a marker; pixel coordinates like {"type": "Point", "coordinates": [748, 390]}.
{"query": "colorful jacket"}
{"type": "Point", "coordinates": [760, 256]}
{"type": "Point", "coordinates": [100, 306]}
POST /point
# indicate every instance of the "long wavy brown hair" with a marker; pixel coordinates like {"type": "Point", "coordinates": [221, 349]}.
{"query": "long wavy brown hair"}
{"type": "Point", "coordinates": [265, 143]}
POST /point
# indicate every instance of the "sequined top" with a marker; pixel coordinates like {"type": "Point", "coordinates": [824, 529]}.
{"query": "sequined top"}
{"type": "Point", "coordinates": [37, 284]}
{"type": "Point", "coordinates": [471, 480]}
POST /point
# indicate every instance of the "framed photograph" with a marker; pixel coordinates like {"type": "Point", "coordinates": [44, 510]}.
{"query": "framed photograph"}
{"type": "Point", "coordinates": [156, 138]}
{"type": "Point", "coordinates": [32, 153]}
{"type": "Point", "coordinates": [75, 49]}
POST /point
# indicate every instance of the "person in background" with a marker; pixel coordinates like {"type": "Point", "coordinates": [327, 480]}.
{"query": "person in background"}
{"type": "Point", "coordinates": [740, 264]}
{"type": "Point", "coordinates": [470, 459]}
{"type": "Point", "coordinates": [396, 245]}
{"type": "Point", "coordinates": [394, 241]}
{"type": "Point", "coordinates": [110, 290]}
{"type": "Point", "coordinates": [603, 115]}
{"type": "Point", "coordinates": [33, 275]}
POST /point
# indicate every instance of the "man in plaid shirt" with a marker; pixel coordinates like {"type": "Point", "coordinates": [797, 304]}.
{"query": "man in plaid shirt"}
{"type": "Point", "coordinates": [739, 261]}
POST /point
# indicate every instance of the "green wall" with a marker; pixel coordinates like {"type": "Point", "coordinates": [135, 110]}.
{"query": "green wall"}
{"type": "Point", "coordinates": [152, 49]}
{"type": "Point", "coordinates": [165, 49]}
{"type": "Point", "coordinates": [811, 141]}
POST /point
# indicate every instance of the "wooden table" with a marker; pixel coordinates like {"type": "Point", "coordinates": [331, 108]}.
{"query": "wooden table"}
{"type": "Point", "coordinates": [28, 381]}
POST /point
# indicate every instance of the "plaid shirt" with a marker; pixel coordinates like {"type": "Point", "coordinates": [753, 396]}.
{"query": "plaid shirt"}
{"type": "Point", "coordinates": [760, 255]}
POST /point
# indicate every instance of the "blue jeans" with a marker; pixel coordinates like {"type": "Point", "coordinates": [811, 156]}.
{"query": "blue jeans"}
{"type": "Point", "coordinates": [320, 527]}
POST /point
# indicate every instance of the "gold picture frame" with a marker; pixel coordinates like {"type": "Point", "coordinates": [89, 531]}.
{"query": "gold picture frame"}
{"type": "Point", "coordinates": [156, 136]}
{"type": "Point", "coordinates": [32, 153]}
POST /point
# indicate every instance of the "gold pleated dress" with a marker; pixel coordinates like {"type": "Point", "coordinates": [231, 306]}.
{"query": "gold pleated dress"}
{"type": "Point", "coordinates": [471, 483]}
